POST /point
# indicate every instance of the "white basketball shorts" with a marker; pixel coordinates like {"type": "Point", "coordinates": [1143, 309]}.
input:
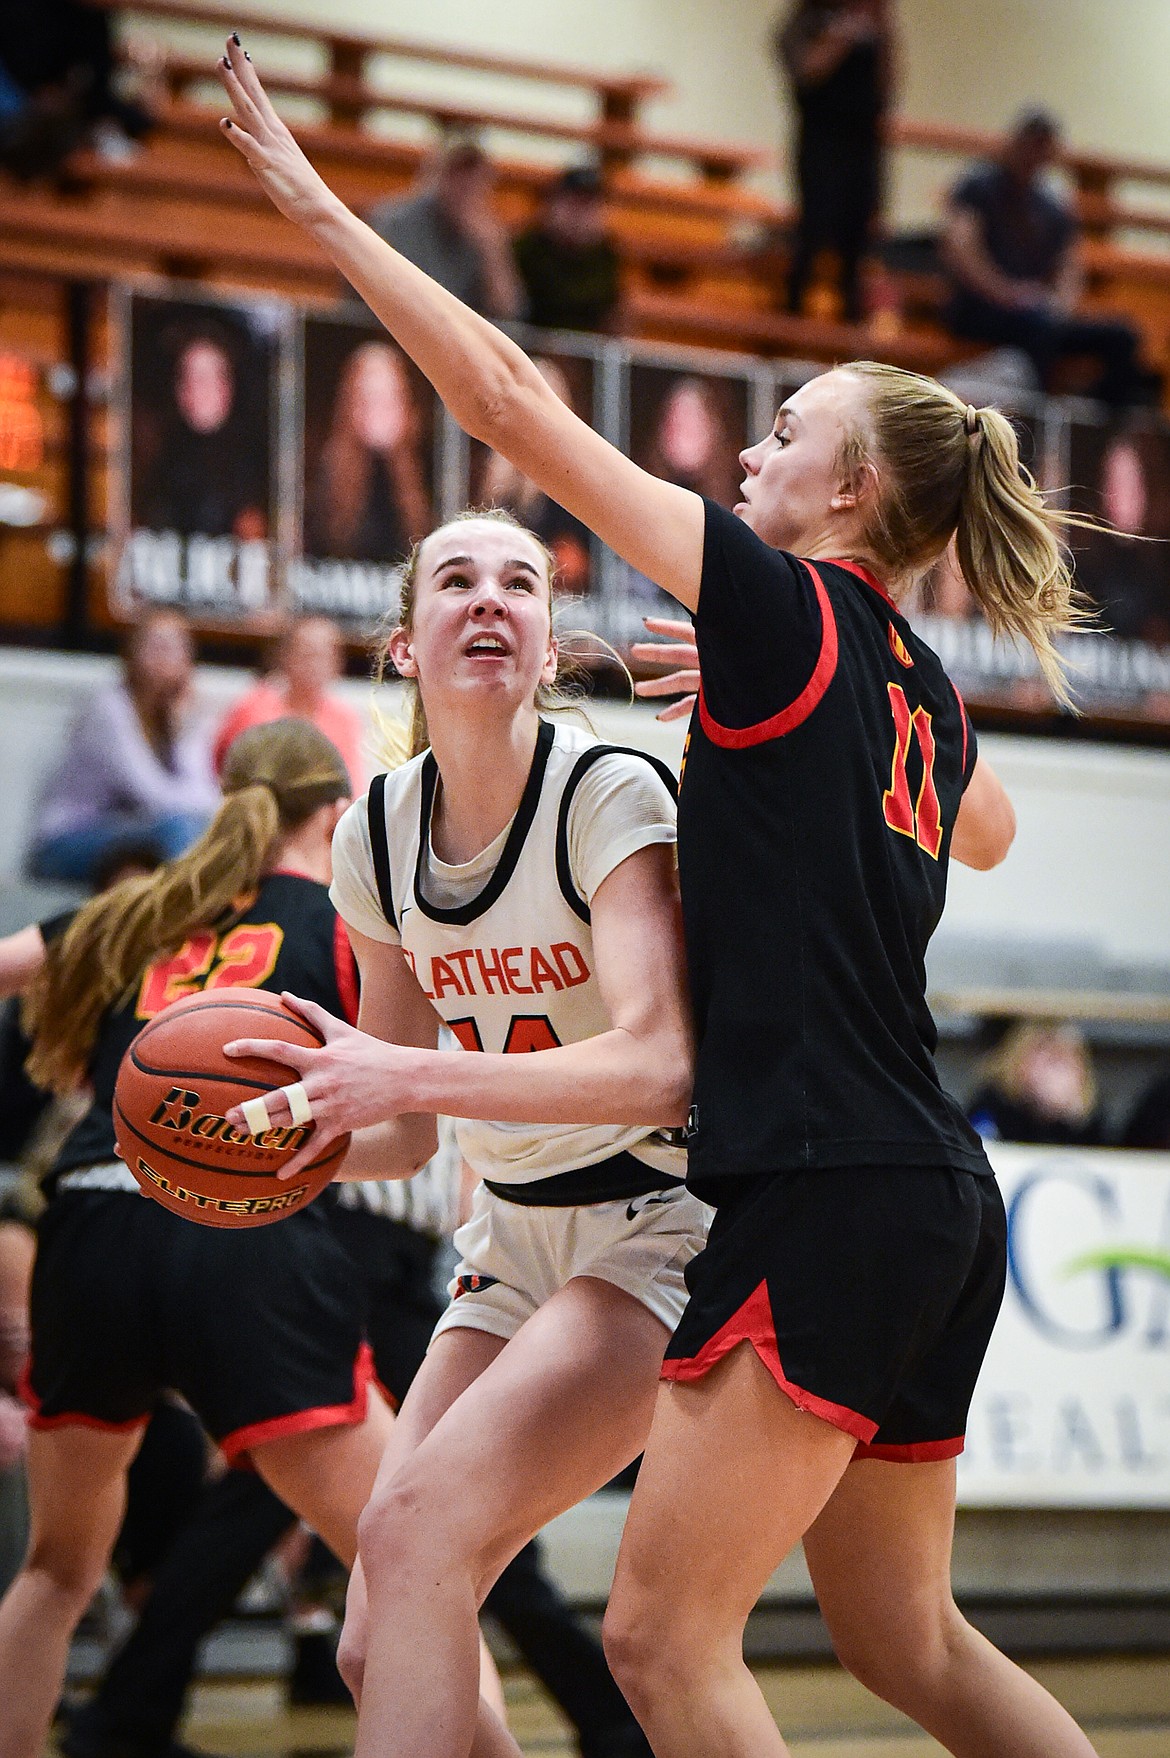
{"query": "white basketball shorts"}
{"type": "Point", "coordinates": [512, 1258]}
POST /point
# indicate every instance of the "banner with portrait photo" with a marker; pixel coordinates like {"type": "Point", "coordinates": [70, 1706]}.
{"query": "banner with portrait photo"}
{"type": "Point", "coordinates": [1122, 477]}
{"type": "Point", "coordinates": [686, 421]}
{"type": "Point", "coordinates": [575, 376]}
{"type": "Point", "coordinates": [367, 478]}
{"type": "Point", "coordinates": [196, 495]}
{"type": "Point", "coordinates": [1119, 667]}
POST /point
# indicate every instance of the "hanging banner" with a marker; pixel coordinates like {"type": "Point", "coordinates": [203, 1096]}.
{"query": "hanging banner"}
{"type": "Point", "coordinates": [1072, 1409]}
{"type": "Point", "coordinates": [196, 500]}
{"type": "Point", "coordinates": [367, 484]}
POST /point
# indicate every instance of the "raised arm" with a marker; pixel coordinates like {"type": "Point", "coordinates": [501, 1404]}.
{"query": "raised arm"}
{"type": "Point", "coordinates": [489, 385]}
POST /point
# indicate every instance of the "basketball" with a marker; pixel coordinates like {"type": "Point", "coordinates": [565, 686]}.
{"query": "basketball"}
{"type": "Point", "coordinates": [173, 1088]}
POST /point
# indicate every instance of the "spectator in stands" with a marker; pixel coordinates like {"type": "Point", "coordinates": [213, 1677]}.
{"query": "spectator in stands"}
{"type": "Point", "coordinates": [450, 229]}
{"type": "Point", "coordinates": [367, 500]}
{"type": "Point", "coordinates": [503, 485]}
{"type": "Point", "coordinates": [137, 762]}
{"type": "Point", "coordinates": [59, 61]}
{"type": "Point", "coordinates": [838, 58]}
{"type": "Point", "coordinates": [569, 267]}
{"type": "Point", "coordinates": [1040, 1087]}
{"type": "Point", "coordinates": [309, 661]}
{"type": "Point", "coordinates": [1010, 245]}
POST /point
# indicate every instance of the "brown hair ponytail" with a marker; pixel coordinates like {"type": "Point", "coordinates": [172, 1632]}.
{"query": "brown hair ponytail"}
{"type": "Point", "coordinates": [949, 470]}
{"type": "Point", "coordinates": [275, 777]}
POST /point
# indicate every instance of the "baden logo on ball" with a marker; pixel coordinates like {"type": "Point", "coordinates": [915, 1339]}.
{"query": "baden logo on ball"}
{"type": "Point", "coordinates": [173, 1090]}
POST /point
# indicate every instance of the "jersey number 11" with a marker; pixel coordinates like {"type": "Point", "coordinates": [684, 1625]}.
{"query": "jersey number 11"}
{"type": "Point", "coordinates": [920, 820]}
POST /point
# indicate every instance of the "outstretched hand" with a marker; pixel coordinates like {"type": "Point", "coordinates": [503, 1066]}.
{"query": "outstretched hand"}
{"type": "Point", "coordinates": [680, 650]}
{"type": "Point", "coordinates": [351, 1081]}
{"type": "Point", "coordinates": [256, 131]}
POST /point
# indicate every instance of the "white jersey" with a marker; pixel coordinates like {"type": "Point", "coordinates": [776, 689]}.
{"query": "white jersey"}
{"type": "Point", "coordinates": [510, 965]}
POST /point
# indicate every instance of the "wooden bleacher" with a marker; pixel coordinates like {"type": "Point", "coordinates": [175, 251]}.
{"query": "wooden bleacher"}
{"type": "Point", "coordinates": [703, 249]}
{"type": "Point", "coordinates": [703, 245]}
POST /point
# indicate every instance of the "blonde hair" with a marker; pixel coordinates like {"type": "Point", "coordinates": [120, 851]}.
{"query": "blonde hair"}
{"type": "Point", "coordinates": [947, 470]}
{"type": "Point", "coordinates": [564, 694]}
{"type": "Point", "coordinates": [1004, 1067]}
{"type": "Point", "coordinates": [274, 778]}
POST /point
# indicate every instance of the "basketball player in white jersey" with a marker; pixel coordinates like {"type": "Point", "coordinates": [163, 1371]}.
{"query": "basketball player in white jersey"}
{"type": "Point", "coordinates": [516, 880]}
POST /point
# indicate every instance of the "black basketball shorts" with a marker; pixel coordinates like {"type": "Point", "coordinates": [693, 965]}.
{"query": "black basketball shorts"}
{"type": "Point", "coordinates": [869, 1294]}
{"type": "Point", "coordinates": [260, 1329]}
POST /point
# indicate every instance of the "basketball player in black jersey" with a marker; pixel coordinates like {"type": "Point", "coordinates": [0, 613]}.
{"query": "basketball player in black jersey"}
{"type": "Point", "coordinates": [858, 1248]}
{"type": "Point", "coordinates": [260, 1330]}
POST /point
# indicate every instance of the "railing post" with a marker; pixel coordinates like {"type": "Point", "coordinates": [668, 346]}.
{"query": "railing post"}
{"type": "Point", "coordinates": [79, 333]}
{"type": "Point", "coordinates": [347, 60]}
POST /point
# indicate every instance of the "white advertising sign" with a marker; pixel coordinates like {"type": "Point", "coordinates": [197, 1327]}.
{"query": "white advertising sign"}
{"type": "Point", "coordinates": [1072, 1408]}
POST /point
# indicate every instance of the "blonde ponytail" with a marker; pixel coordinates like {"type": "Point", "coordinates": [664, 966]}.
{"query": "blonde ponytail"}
{"type": "Point", "coordinates": [947, 470]}
{"type": "Point", "coordinates": [275, 777]}
{"type": "Point", "coordinates": [1009, 553]}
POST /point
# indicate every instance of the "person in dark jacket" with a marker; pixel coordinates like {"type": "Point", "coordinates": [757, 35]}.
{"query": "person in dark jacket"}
{"type": "Point", "coordinates": [837, 56]}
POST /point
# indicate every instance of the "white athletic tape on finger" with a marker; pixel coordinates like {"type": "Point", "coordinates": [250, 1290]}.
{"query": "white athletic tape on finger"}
{"type": "Point", "coordinates": [298, 1102]}
{"type": "Point", "coordinates": [256, 1115]}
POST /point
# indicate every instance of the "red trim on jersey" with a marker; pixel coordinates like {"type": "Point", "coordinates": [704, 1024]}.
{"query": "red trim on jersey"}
{"type": "Point", "coordinates": [345, 968]}
{"type": "Point", "coordinates": [963, 718]}
{"type": "Point", "coordinates": [738, 738]}
{"type": "Point", "coordinates": [915, 1453]}
{"type": "Point", "coordinates": [753, 1324]}
{"type": "Point", "coordinates": [242, 1440]}
{"type": "Point", "coordinates": [865, 574]}
{"type": "Point", "coordinates": [68, 1418]}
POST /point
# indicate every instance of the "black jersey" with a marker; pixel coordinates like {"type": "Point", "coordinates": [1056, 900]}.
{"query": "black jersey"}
{"type": "Point", "coordinates": [826, 760]}
{"type": "Point", "coordinates": [288, 936]}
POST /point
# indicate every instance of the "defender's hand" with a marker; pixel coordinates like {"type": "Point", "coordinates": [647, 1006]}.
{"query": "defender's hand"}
{"type": "Point", "coordinates": [256, 131]}
{"type": "Point", "coordinates": [679, 649]}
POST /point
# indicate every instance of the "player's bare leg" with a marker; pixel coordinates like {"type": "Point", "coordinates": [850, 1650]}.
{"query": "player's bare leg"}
{"type": "Point", "coordinates": [880, 1558]}
{"type": "Point", "coordinates": [327, 1474]}
{"type": "Point", "coordinates": [458, 1358]}
{"type": "Point", "coordinates": [77, 1495]}
{"type": "Point", "coordinates": [562, 1407]}
{"type": "Point", "coordinates": [733, 1474]}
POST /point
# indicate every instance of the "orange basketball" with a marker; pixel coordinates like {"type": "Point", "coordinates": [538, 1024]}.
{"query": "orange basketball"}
{"type": "Point", "coordinates": [175, 1084]}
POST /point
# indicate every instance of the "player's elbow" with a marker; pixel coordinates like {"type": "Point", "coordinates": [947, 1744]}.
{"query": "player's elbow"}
{"type": "Point", "coordinates": [491, 408]}
{"type": "Point", "coordinates": [674, 1065]}
{"type": "Point", "coordinates": [987, 845]}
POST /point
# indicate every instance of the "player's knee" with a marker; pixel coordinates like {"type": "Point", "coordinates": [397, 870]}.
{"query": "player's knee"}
{"type": "Point", "coordinates": [399, 1527]}
{"type": "Point", "coordinates": [351, 1660]}
{"type": "Point", "coordinates": [642, 1648]}
{"type": "Point", "coordinates": [901, 1661]}
{"type": "Point", "coordinates": [72, 1572]}
{"type": "Point", "coordinates": [624, 1639]}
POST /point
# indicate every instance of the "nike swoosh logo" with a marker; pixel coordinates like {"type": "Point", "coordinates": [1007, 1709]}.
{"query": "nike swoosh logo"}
{"type": "Point", "coordinates": [633, 1211]}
